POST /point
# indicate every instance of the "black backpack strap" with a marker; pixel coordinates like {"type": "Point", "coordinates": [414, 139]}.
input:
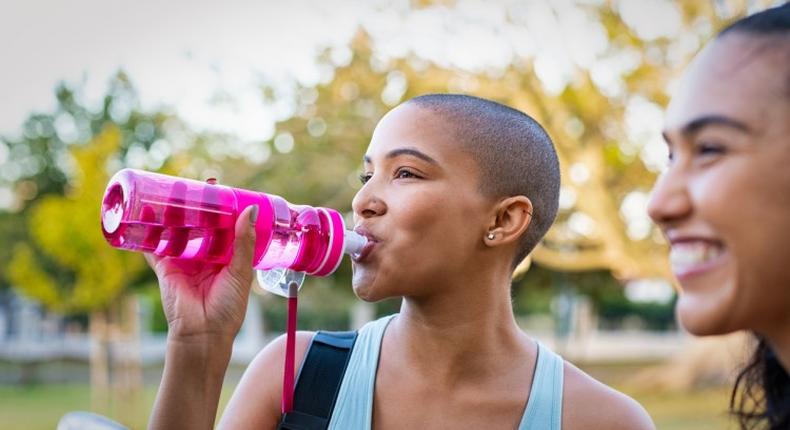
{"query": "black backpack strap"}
{"type": "Point", "coordinates": [319, 381]}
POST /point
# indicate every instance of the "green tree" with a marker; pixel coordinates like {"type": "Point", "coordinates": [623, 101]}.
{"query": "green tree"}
{"type": "Point", "coordinates": [65, 231]}
{"type": "Point", "coordinates": [56, 253]}
{"type": "Point", "coordinates": [41, 163]}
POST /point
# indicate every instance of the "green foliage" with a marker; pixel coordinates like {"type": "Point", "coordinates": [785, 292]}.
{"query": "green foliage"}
{"type": "Point", "coordinates": [64, 230]}
{"type": "Point", "coordinates": [12, 230]}
{"type": "Point", "coordinates": [614, 309]}
{"type": "Point", "coordinates": [150, 297]}
{"type": "Point", "coordinates": [534, 292]}
{"type": "Point", "coordinates": [40, 162]}
{"type": "Point", "coordinates": [60, 165]}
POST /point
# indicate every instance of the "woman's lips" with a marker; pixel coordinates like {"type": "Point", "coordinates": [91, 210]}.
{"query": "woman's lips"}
{"type": "Point", "coordinates": [366, 250]}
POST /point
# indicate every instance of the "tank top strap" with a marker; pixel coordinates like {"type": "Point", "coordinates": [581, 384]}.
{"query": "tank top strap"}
{"type": "Point", "coordinates": [544, 407]}
{"type": "Point", "coordinates": [354, 405]}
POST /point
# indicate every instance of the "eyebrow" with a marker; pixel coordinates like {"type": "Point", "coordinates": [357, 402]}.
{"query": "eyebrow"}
{"type": "Point", "coordinates": [697, 124]}
{"type": "Point", "coordinates": [405, 151]}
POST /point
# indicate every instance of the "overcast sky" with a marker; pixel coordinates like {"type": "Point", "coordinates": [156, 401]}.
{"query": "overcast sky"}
{"type": "Point", "coordinates": [183, 53]}
{"type": "Point", "coordinates": [177, 53]}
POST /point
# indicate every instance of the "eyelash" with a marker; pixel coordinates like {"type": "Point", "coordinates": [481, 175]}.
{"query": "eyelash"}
{"type": "Point", "coordinates": [365, 177]}
{"type": "Point", "coordinates": [704, 149]}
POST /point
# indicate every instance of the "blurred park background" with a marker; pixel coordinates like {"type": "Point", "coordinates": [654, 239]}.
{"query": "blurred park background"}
{"type": "Point", "coordinates": [283, 98]}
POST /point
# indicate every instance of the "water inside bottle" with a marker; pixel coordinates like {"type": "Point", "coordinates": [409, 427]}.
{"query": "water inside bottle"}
{"type": "Point", "coordinates": [186, 219]}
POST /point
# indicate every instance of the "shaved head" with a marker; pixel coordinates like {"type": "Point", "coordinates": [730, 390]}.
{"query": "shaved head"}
{"type": "Point", "coordinates": [514, 154]}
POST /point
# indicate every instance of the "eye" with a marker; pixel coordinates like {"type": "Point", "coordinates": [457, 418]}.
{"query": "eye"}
{"type": "Point", "coordinates": [670, 150]}
{"type": "Point", "coordinates": [707, 149]}
{"type": "Point", "coordinates": [365, 177]}
{"type": "Point", "coordinates": [404, 174]}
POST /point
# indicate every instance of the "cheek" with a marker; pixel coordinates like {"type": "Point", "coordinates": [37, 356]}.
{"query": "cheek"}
{"type": "Point", "coordinates": [715, 199]}
{"type": "Point", "coordinates": [434, 220]}
{"type": "Point", "coordinates": [746, 209]}
{"type": "Point", "coordinates": [433, 236]}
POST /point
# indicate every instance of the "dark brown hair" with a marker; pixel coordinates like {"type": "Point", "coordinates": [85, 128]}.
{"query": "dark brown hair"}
{"type": "Point", "coordinates": [761, 396]}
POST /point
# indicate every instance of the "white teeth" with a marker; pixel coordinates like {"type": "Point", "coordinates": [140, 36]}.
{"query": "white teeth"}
{"type": "Point", "coordinates": [685, 255]}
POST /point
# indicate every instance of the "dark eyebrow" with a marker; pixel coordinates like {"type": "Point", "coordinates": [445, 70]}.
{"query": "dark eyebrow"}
{"type": "Point", "coordinates": [406, 151]}
{"type": "Point", "coordinates": [698, 124]}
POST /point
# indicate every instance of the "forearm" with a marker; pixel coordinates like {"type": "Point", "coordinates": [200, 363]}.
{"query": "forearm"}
{"type": "Point", "coordinates": [191, 384]}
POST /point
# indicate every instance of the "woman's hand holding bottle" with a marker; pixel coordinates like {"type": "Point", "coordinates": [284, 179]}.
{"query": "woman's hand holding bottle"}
{"type": "Point", "coordinates": [203, 300]}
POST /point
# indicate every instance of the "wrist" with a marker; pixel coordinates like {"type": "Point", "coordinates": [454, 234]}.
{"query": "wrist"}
{"type": "Point", "coordinates": [180, 332]}
{"type": "Point", "coordinates": [195, 339]}
{"type": "Point", "coordinates": [192, 381]}
{"type": "Point", "coordinates": [209, 352]}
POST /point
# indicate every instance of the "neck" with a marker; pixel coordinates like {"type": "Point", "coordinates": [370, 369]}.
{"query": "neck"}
{"type": "Point", "coordinates": [467, 332]}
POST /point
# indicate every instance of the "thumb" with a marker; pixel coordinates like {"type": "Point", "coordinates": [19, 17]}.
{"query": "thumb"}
{"type": "Point", "coordinates": [244, 244]}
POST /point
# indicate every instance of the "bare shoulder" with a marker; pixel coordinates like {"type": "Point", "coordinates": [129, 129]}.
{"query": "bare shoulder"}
{"type": "Point", "coordinates": [256, 401]}
{"type": "Point", "coordinates": [589, 404]}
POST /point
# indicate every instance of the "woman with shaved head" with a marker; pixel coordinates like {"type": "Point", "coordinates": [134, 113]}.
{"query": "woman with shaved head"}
{"type": "Point", "coordinates": [456, 191]}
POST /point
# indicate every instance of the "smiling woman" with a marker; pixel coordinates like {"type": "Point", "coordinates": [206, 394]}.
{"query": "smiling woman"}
{"type": "Point", "coordinates": [724, 204]}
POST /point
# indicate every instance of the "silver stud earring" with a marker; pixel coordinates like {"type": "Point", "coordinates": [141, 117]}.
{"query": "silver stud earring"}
{"type": "Point", "coordinates": [490, 236]}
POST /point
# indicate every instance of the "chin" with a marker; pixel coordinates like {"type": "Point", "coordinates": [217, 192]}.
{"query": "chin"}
{"type": "Point", "coordinates": [702, 316]}
{"type": "Point", "coordinates": [364, 287]}
{"type": "Point", "coordinates": [365, 294]}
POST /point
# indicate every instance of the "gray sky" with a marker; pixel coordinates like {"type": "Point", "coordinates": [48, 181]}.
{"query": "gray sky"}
{"type": "Point", "coordinates": [177, 53]}
{"type": "Point", "coordinates": [183, 53]}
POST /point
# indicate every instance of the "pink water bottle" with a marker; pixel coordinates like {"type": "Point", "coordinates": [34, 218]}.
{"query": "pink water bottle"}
{"type": "Point", "coordinates": [183, 218]}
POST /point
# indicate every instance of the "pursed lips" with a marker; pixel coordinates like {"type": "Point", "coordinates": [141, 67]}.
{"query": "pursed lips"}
{"type": "Point", "coordinates": [368, 248]}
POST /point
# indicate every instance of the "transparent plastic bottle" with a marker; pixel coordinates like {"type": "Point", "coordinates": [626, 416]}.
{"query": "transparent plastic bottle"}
{"type": "Point", "coordinates": [188, 219]}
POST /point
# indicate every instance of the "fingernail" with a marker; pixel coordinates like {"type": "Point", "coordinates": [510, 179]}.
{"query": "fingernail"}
{"type": "Point", "coordinates": [254, 214]}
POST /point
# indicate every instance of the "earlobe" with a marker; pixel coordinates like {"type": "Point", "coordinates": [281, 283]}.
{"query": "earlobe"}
{"type": "Point", "coordinates": [513, 217]}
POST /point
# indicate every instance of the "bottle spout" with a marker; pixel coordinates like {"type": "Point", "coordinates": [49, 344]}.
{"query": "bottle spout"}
{"type": "Point", "coordinates": [354, 242]}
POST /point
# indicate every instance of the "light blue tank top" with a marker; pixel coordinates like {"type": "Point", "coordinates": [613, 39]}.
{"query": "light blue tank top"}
{"type": "Point", "coordinates": [354, 406]}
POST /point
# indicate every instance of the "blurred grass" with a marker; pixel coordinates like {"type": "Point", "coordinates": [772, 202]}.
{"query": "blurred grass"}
{"type": "Point", "coordinates": [698, 410]}
{"type": "Point", "coordinates": [41, 406]}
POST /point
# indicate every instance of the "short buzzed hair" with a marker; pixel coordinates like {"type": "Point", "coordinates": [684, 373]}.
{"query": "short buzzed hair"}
{"type": "Point", "coordinates": [514, 153]}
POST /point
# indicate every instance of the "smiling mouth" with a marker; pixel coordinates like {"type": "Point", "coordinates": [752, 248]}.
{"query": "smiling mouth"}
{"type": "Point", "coordinates": [695, 257]}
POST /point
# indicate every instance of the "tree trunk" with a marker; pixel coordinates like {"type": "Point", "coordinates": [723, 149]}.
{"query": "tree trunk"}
{"type": "Point", "coordinates": [115, 366]}
{"type": "Point", "coordinates": [128, 376]}
{"type": "Point", "coordinates": [99, 365]}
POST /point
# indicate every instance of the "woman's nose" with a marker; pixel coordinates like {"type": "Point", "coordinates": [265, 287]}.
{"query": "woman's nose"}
{"type": "Point", "coordinates": [670, 201]}
{"type": "Point", "coordinates": [367, 203]}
